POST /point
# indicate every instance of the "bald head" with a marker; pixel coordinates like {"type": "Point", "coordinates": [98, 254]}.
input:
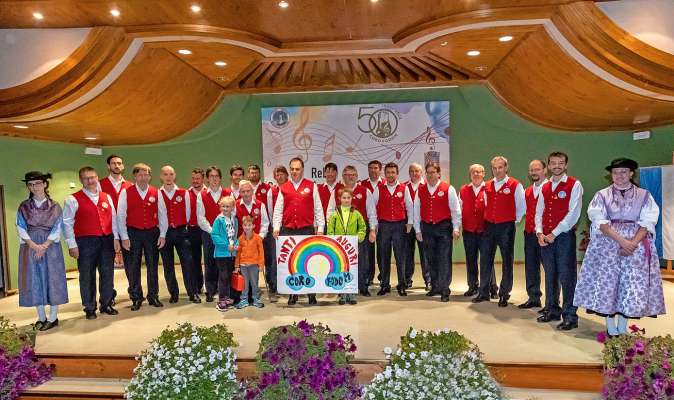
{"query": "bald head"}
{"type": "Point", "coordinates": [167, 175]}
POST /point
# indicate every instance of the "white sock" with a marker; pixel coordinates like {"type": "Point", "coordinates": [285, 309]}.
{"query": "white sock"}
{"type": "Point", "coordinates": [53, 310]}
{"type": "Point", "coordinates": [622, 324]}
{"type": "Point", "coordinates": [611, 327]}
{"type": "Point", "coordinates": [41, 316]}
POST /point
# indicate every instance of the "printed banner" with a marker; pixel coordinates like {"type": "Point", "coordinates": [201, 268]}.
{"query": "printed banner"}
{"type": "Point", "coordinates": [356, 134]}
{"type": "Point", "coordinates": [317, 264]}
{"type": "Point", "coordinates": [660, 182]}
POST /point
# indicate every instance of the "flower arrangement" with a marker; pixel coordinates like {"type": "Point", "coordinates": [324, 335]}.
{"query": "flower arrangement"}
{"type": "Point", "coordinates": [19, 366]}
{"type": "Point", "coordinates": [433, 365]}
{"type": "Point", "coordinates": [188, 362]}
{"type": "Point", "coordinates": [304, 361]}
{"type": "Point", "coordinates": [637, 367]}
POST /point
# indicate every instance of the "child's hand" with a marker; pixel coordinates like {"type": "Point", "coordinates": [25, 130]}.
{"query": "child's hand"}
{"type": "Point", "coordinates": [232, 247]}
{"type": "Point", "coordinates": [237, 269]}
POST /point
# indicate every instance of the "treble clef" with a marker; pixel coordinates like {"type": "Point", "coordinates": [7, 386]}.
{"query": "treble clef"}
{"type": "Point", "coordinates": [301, 139]}
{"type": "Point", "coordinates": [430, 139]}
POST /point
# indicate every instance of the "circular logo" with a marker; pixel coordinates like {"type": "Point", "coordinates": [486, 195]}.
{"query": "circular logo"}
{"type": "Point", "coordinates": [105, 205]}
{"type": "Point", "coordinates": [506, 191]}
{"type": "Point", "coordinates": [441, 193]}
{"type": "Point", "coordinates": [256, 211]}
{"type": "Point", "coordinates": [306, 190]}
{"type": "Point", "coordinates": [399, 194]}
{"type": "Point", "coordinates": [279, 118]}
{"type": "Point", "coordinates": [562, 194]}
{"type": "Point", "coordinates": [381, 123]}
{"type": "Point", "coordinates": [152, 199]}
{"type": "Point", "coordinates": [359, 196]}
{"type": "Point", "coordinates": [263, 191]}
{"type": "Point", "coordinates": [179, 199]}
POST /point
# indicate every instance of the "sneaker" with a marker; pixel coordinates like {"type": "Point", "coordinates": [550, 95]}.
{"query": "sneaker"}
{"type": "Point", "coordinates": [221, 306]}
{"type": "Point", "coordinates": [258, 304]}
{"type": "Point", "coordinates": [229, 301]}
{"type": "Point", "coordinates": [242, 304]}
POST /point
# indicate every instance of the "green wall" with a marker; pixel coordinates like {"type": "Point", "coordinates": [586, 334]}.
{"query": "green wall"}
{"type": "Point", "coordinates": [481, 127]}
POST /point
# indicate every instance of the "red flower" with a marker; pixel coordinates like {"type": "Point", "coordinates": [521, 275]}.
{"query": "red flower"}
{"type": "Point", "coordinates": [634, 328]}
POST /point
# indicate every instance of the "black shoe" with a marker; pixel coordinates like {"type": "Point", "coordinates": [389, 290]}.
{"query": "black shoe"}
{"type": "Point", "coordinates": [543, 310]}
{"type": "Point", "coordinates": [470, 292]}
{"type": "Point", "coordinates": [173, 299]}
{"type": "Point", "coordinates": [154, 301]}
{"type": "Point", "coordinates": [480, 299]}
{"type": "Point", "coordinates": [136, 305]}
{"type": "Point", "coordinates": [109, 310]}
{"type": "Point", "coordinates": [611, 336]}
{"type": "Point", "coordinates": [529, 304]}
{"type": "Point", "coordinates": [38, 324]}
{"type": "Point", "coordinates": [366, 293]}
{"type": "Point", "coordinates": [431, 293]}
{"type": "Point", "coordinates": [546, 317]}
{"type": "Point", "coordinates": [49, 324]}
{"type": "Point", "coordinates": [503, 301]}
{"type": "Point", "coordinates": [567, 326]}
{"type": "Point", "coordinates": [90, 314]}
{"type": "Point", "coordinates": [383, 291]}
{"type": "Point", "coordinates": [428, 287]}
{"type": "Point", "coordinates": [312, 299]}
{"type": "Point", "coordinates": [209, 298]}
{"type": "Point", "coordinates": [444, 298]}
{"type": "Point", "coordinates": [409, 285]}
{"type": "Point", "coordinates": [292, 299]}
{"type": "Point", "coordinates": [342, 301]}
{"type": "Point", "coordinates": [353, 301]}
{"type": "Point", "coordinates": [402, 292]}
{"type": "Point", "coordinates": [494, 295]}
{"type": "Point", "coordinates": [195, 299]}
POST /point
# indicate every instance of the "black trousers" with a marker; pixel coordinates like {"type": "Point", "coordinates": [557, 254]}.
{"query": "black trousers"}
{"type": "Point", "coordinates": [307, 230]}
{"type": "Point", "coordinates": [411, 241]}
{"type": "Point", "coordinates": [503, 236]}
{"type": "Point", "coordinates": [472, 243]}
{"type": "Point", "coordinates": [559, 263]}
{"type": "Point", "coordinates": [371, 256]}
{"type": "Point", "coordinates": [194, 236]}
{"type": "Point", "coordinates": [438, 246]}
{"type": "Point", "coordinates": [225, 268]}
{"type": "Point", "coordinates": [210, 267]}
{"type": "Point", "coordinates": [269, 244]}
{"type": "Point", "coordinates": [532, 266]}
{"type": "Point", "coordinates": [391, 235]}
{"type": "Point", "coordinates": [143, 243]}
{"type": "Point", "coordinates": [363, 265]}
{"type": "Point", "coordinates": [177, 240]}
{"type": "Point", "coordinates": [96, 253]}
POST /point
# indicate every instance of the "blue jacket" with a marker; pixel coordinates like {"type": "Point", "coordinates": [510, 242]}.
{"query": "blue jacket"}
{"type": "Point", "coordinates": [219, 236]}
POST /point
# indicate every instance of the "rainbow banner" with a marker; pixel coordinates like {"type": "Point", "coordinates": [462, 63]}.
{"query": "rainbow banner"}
{"type": "Point", "coordinates": [317, 264]}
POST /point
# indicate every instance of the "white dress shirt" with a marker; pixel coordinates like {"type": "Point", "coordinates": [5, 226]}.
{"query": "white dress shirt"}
{"type": "Point", "coordinates": [163, 212]}
{"type": "Point", "coordinates": [520, 201]}
{"type": "Point", "coordinates": [319, 220]}
{"type": "Point", "coordinates": [54, 235]}
{"type": "Point", "coordinates": [202, 221]}
{"type": "Point", "coordinates": [122, 208]}
{"type": "Point", "coordinates": [117, 184]}
{"type": "Point", "coordinates": [571, 217]}
{"type": "Point", "coordinates": [235, 192]}
{"type": "Point", "coordinates": [264, 219]}
{"type": "Point", "coordinates": [70, 207]}
{"type": "Point", "coordinates": [373, 200]}
{"type": "Point", "coordinates": [452, 201]}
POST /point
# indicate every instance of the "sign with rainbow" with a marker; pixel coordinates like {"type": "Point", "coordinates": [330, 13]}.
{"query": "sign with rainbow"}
{"type": "Point", "coordinates": [317, 264]}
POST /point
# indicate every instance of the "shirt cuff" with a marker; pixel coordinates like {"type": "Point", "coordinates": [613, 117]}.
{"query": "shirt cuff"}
{"type": "Point", "coordinates": [72, 243]}
{"type": "Point", "coordinates": [557, 231]}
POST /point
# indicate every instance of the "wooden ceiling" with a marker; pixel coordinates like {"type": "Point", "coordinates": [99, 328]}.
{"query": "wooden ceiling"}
{"type": "Point", "coordinates": [566, 66]}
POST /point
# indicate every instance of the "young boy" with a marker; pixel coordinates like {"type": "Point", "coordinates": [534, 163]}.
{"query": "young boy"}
{"type": "Point", "coordinates": [225, 244]}
{"type": "Point", "coordinates": [346, 220]}
{"type": "Point", "coordinates": [249, 258]}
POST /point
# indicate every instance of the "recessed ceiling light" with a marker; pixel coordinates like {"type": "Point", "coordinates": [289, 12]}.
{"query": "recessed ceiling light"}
{"type": "Point", "coordinates": [184, 52]}
{"type": "Point", "coordinates": [506, 38]}
{"type": "Point", "coordinates": [373, 1]}
{"type": "Point", "coordinates": [443, 44]}
{"type": "Point", "coordinates": [38, 15]}
{"type": "Point", "coordinates": [20, 126]}
{"type": "Point", "coordinates": [90, 138]}
{"type": "Point", "coordinates": [283, 4]}
{"type": "Point", "coordinates": [220, 63]}
{"type": "Point", "coordinates": [195, 8]}
{"type": "Point", "coordinates": [115, 12]}
{"type": "Point", "coordinates": [473, 53]}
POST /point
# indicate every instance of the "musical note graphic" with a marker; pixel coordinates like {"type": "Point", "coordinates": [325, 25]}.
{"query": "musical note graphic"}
{"type": "Point", "coordinates": [301, 139]}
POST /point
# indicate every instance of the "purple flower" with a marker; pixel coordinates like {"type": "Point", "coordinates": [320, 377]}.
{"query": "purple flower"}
{"type": "Point", "coordinates": [639, 346]}
{"type": "Point", "coordinates": [630, 352]}
{"type": "Point", "coordinates": [601, 337]}
{"type": "Point", "coordinates": [305, 327]}
{"type": "Point", "coordinates": [634, 328]}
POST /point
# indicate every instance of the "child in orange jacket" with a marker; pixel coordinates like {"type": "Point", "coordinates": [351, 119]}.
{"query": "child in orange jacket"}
{"type": "Point", "coordinates": [249, 259]}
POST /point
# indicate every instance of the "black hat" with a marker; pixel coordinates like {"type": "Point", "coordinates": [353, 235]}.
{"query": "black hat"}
{"type": "Point", "coordinates": [623, 163]}
{"type": "Point", "coordinates": [36, 176]}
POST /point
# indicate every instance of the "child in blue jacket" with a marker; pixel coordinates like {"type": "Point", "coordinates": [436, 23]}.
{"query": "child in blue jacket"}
{"type": "Point", "coordinates": [225, 243]}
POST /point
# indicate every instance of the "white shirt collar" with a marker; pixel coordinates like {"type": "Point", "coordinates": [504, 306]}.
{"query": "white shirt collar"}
{"type": "Point", "coordinates": [504, 180]}
{"type": "Point", "coordinates": [416, 185]}
{"type": "Point", "coordinates": [218, 191]}
{"type": "Point", "coordinates": [91, 195]}
{"type": "Point", "coordinates": [296, 184]}
{"type": "Point", "coordinates": [39, 203]}
{"type": "Point", "coordinates": [142, 192]}
{"type": "Point", "coordinates": [169, 192]}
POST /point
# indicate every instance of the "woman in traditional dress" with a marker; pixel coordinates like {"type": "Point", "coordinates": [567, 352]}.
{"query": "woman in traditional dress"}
{"type": "Point", "coordinates": [42, 277]}
{"type": "Point", "coordinates": [620, 276]}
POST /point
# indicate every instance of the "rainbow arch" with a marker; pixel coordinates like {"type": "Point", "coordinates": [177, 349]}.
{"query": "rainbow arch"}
{"type": "Point", "coordinates": [318, 245]}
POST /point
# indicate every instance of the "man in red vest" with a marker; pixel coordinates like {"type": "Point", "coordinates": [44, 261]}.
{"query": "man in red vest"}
{"type": "Point", "coordinates": [248, 205]}
{"type": "Point", "coordinates": [330, 187]}
{"type": "Point", "coordinates": [374, 178]}
{"type": "Point", "coordinates": [261, 191]}
{"type": "Point", "coordinates": [138, 218]}
{"type": "Point", "coordinates": [207, 211]}
{"type": "Point", "coordinates": [471, 197]}
{"type": "Point", "coordinates": [174, 203]}
{"type": "Point", "coordinates": [557, 212]}
{"type": "Point", "coordinates": [437, 212]}
{"type": "Point", "coordinates": [235, 174]}
{"type": "Point", "coordinates": [504, 206]}
{"type": "Point", "coordinates": [416, 179]}
{"type": "Point", "coordinates": [281, 177]}
{"type": "Point", "coordinates": [90, 226]}
{"type": "Point", "coordinates": [298, 210]}
{"type": "Point", "coordinates": [391, 216]}
{"type": "Point", "coordinates": [193, 230]}
{"type": "Point", "coordinates": [359, 202]}
{"type": "Point", "coordinates": [532, 250]}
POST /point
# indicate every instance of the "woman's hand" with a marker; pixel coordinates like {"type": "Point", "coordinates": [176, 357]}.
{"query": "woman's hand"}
{"type": "Point", "coordinates": [627, 247]}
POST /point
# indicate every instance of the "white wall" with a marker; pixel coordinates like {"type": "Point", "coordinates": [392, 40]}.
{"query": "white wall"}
{"type": "Point", "coordinates": [651, 21]}
{"type": "Point", "coordinates": [25, 54]}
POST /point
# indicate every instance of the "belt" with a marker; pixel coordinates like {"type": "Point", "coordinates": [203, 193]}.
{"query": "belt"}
{"type": "Point", "coordinates": [436, 223]}
{"type": "Point", "coordinates": [622, 221]}
{"type": "Point", "coordinates": [393, 222]}
{"type": "Point", "coordinates": [178, 227]}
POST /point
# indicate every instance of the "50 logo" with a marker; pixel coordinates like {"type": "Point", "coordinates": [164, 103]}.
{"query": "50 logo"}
{"type": "Point", "coordinates": [381, 123]}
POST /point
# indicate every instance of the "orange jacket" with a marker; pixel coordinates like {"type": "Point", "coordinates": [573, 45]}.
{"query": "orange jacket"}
{"type": "Point", "coordinates": [250, 251]}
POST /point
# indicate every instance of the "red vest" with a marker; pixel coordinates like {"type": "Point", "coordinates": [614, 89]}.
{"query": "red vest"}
{"type": "Point", "coordinates": [434, 207]}
{"type": "Point", "coordinates": [274, 195]}
{"type": "Point", "coordinates": [324, 193]}
{"type": "Point", "coordinates": [359, 201]}
{"type": "Point", "coordinates": [368, 185]}
{"type": "Point", "coordinates": [261, 193]}
{"type": "Point", "coordinates": [175, 208]}
{"type": "Point", "coordinates": [530, 218]}
{"type": "Point", "coordinates": [391, 208]}
{"type": "Point", "coordinates": [298, 205]}
{"type": "Point", "coordinates": [211, 207]}
{"type": "Point", "coordinates": [255, 212]}
{"type": "Point", "coordinates": [193, 206]}
{"type": "Point", "coordinates": [501, 204]}
{"type": "Point", "coordinates": [472, 209]}
{"type": "Point", "coordinates": [413, 193]}
{"type": "Point", "coordinates": [556, 203]}
{"type": "Point", "coordinates": [141, 213]}
{"type": "Point", "coordinates": [107, 187]}
{"type": "Point", "coordinates": [92, 219]}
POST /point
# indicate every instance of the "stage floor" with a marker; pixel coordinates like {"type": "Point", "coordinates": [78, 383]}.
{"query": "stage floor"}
{"type": "Point", "coordinates": [503, 334]}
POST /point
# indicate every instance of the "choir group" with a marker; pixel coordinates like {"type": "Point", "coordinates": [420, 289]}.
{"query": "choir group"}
{"type": "Point", "coordinates": [235, 229]}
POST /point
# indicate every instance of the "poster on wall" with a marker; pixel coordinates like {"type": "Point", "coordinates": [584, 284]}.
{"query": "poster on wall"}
{"type": "Point", "coordinates": [317, 264]}
{"type": "Point", "coordinates": [356, 134]}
